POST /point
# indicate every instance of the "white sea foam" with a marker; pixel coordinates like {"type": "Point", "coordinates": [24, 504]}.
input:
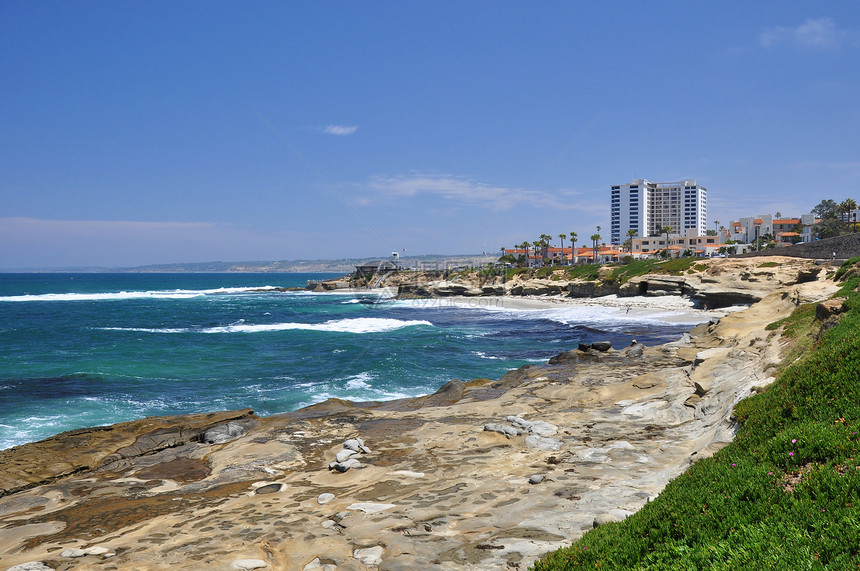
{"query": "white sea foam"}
{"type": "Point", "coordinates": [355, 325]}
{"type": "Point", "coordinates": [359, 381]}
{"type": "Point", "coordinates": [126, 295]}
{"type": "Point", "coordinates": [483, 355]}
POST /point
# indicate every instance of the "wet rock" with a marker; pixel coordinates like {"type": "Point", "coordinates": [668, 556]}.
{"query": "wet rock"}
{"type": "Point", "coordinates": [584, 347]}
{"type": "Point", "coordinates": [536, 479]}
{"type": "Point", "coordinates": [573, 357]}
{"type": "Point", "coordinates": [269, 489]}
{"type": "Point", "coordinates": [601, 346]}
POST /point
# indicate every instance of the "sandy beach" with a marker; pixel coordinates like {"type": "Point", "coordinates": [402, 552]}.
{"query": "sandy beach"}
{"type": "Point", "coordinates": [669, 308]}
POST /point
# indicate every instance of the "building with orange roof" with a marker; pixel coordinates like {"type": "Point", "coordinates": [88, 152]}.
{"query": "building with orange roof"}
{"type": "Point", "coordinates": [784, 231]}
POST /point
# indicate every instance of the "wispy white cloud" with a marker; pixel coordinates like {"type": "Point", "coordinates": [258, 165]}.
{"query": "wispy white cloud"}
{"type": "Point", "coordinates": [467, 191]}
{"type": "Point", "coordinates": [821, 33]}
{"type": "Point", "coordinates": [340, 130]}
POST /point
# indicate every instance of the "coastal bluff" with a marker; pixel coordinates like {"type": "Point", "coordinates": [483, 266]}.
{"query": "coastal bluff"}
{"type": "Point", "coordinates": [483, 474]}
{"type": "Point", "coordinates": [714, 283]}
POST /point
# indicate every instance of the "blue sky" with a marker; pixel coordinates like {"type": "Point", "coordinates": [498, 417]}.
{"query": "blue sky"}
{"type": "Point", "coordinates": [157, 132]}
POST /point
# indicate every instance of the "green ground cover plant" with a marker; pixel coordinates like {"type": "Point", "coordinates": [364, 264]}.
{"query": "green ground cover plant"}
{"type": "Point", "coordinates": [785, 494]}
{"type": "Point", "coordinates": [583, 272]}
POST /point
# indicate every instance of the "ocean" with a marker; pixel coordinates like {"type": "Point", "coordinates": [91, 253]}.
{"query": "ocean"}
{"type": "Point", "coordinates": [79, 350]}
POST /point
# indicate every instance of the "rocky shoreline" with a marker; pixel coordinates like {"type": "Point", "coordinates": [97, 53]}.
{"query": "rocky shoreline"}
{"type": "Point", "coordinates": [713, 283]}
{"type": "Point", "coordinates": [482, 474]}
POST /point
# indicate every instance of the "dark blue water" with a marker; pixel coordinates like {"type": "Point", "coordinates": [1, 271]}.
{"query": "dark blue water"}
{"type": "Point", "coordinates": [81, 350]}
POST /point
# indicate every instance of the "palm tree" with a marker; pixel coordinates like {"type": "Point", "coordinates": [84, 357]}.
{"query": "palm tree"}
{"type": "Point", "coordinates": [847, 206]}
{"type": "Point", "coordinates": [667, 229]}
{"type": "Point", "coordinates": [573, 238]}
{"type": "Point", "coordinates": [525, 246]}
{"type": "Point", "coordinates": [562, 237]}
{"type": "Point", "coordinates": [630, 234]}
{"type": "Point", "coordinates": [717, 223]}
{"type": "Point", "coordinates": [536, 246]}
{"type": "Point", "coordinates": [544, 242]}
{"type": "Point", "coordinates": [595, 238]}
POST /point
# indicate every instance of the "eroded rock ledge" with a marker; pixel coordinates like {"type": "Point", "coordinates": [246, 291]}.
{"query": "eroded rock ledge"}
{"type": "Point", "coordinates": [716, 283]}
{"type": "Point", "coordinates": [584, 440]}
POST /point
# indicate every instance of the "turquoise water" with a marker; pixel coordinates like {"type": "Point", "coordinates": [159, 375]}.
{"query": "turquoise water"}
{"type": "Point", "coordinates": [81, 350]}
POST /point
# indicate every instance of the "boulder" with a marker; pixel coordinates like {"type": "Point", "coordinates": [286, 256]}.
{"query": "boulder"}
{"type": "Point", "coordinates": [538, 427]}
{"type": "Point", "coordinates": [635, 350]}
{"type": "Point", "coordinates": [507, 431]}
{"type": "Point", "coordinates": [602, 346]}
{"type": "Point", "coordinates": [356, 445]}
{"type": "Point", "coordinates": [829, 308]}
{"type": "Point", "coordinates": [573, 357]}
{"type": "Point", "coordinates": [371, 556]}
{"type": "Point", "coordinates": [702, 388]}
{"type": "Point", "coordinates": [226, 432]}
{"type": "Point", "coordinates": [30, 566]}
{"type": "Point", "coordinates": [345, 454]}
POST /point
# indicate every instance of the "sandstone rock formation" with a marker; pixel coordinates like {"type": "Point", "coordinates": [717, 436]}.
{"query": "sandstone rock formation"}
{"type": "Point", "coordinates": [722, 282]}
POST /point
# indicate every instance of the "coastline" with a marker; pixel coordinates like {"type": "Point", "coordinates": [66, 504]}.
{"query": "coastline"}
{"type": "Point", "coordinates": [601, 433]}
{"type": "Point", "coordinates": [671, 308]}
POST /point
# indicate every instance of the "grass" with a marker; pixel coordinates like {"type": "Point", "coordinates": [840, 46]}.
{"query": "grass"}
{"type": "Point", "coordinates": [848, 265]}
{"type": "Point", "coordinates": [785, 494]}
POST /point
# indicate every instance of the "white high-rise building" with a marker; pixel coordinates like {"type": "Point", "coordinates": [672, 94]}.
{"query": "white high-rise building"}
{"type": "Point", "coordinates": [647, 207]}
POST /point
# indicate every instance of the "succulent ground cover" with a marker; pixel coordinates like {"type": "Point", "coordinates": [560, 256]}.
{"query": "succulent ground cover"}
{"type": "Point", "coordinates": [785, 494]}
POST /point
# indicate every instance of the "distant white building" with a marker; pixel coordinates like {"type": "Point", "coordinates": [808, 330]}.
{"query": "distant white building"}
{"type": "Point", "coordinates": [647, 207]}
{"type": "Point", "coordinates": [677, 245]}
{"type": "Point", "coordinates": [784, 231]}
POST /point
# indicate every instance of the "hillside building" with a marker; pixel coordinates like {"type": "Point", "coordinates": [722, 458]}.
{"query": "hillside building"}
{"type": "Point", "coordinates": [647, 207]}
